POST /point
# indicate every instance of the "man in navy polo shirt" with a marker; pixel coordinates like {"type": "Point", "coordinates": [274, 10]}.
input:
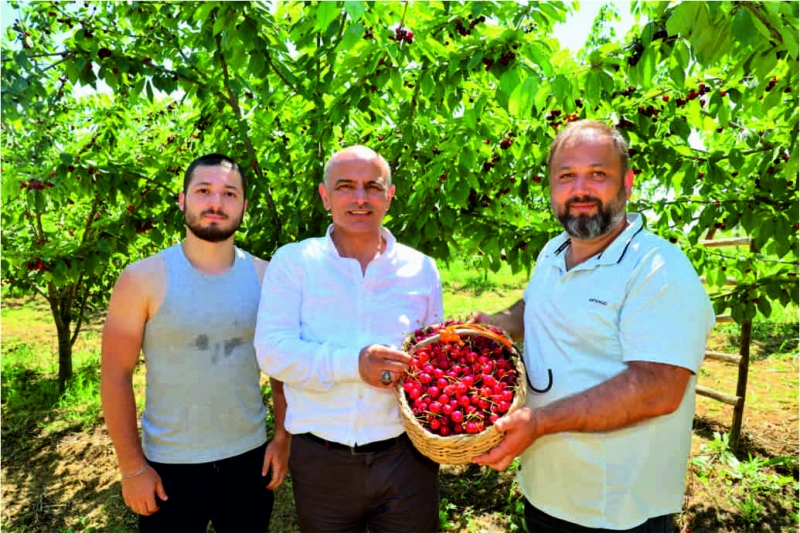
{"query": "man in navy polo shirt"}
{"type": "Point", "coordinates": [615, 321]}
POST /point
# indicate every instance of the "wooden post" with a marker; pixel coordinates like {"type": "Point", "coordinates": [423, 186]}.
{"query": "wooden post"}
{"type": "Point", "coordinates": [741, 385]}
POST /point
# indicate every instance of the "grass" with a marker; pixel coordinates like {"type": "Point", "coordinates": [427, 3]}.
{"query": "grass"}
{"type": "Point", "coordinates": [59, 468]}
{"type": "Point", "coordinates": [468, 289]}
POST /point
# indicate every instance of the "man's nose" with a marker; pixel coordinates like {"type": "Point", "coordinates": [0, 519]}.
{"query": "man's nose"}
{"type": "Point", "coordinates": [581, 184]}
{"type": "Point", "coordinates": [360, 194]}
{"type": "Point", "coordinates": [215, 199]}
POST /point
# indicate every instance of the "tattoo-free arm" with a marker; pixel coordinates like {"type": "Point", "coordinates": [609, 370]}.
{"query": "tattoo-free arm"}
{"type": "Point", "coordinates": [645, 390]}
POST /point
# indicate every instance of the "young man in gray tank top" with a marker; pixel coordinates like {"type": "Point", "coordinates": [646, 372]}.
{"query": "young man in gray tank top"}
{"type": "Point", "coordinates": [191, 310]}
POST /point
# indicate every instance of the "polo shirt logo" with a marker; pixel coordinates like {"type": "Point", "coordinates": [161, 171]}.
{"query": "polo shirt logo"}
{"type": "Point", "coordinates": [595, 300]}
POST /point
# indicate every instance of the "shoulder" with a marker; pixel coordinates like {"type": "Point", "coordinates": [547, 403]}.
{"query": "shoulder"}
{"type": "Point", "coordinates": [410, 254]}
{"type": "Point", "coordinates": [658, 259]}
{"type": "Point", "coordinates": [301, 250]}
{"type": "Point", "coordinates": [407, 255]}
{"type": "Point", "coordinates": [651, 247]}
{"type": "Point", "coordinates": [145, 271]}
{"type": "Point", "coordinates": [550, 248]}
{"type": "Point", "coordinates": [140, 287]}
{"type": "Point", "coordinates": [260, 266]}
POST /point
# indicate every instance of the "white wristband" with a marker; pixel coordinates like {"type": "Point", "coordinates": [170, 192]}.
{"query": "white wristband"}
{"type": "Point", "coordinates": [137, 473]}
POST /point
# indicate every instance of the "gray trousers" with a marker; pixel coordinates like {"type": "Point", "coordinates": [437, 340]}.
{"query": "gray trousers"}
{"type": "Point", "coordinates": [336, 490]}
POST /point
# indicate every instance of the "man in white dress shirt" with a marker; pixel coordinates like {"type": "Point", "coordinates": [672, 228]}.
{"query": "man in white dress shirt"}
{"type": "Point", "coordinates": [333, 311]}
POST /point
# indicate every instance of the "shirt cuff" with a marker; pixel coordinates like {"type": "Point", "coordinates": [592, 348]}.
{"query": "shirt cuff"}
{"type": "Point", "coordinates": [345, 366]}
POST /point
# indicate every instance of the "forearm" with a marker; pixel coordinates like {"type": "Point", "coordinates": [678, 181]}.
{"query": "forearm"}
{"type": "Point", "coordinates": [278, 406]}
{"type": "Point", "coordinates": [119, 410]}
{"type": "Point", "coordinates": [511, 320]}
{"type": "Point", "coordinates": [311, 365]}
{"type": "Point", "coordinates": [643, 391]}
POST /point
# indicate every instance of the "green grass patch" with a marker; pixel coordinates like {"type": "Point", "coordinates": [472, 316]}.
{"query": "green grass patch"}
{"type": "Point", "coordinates": [467, 289]}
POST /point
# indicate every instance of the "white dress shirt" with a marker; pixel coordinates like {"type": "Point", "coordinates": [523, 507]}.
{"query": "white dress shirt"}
{"type": "Point", "coordinates": [318, 310]}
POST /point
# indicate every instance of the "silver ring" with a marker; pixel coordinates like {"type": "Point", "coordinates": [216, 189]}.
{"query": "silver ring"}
{"type": "Point", "coordinates": [386, 377]}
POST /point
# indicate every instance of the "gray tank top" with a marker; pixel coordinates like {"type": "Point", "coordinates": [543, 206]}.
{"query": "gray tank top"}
{"type": "Point", "coordinates": [203, 401]}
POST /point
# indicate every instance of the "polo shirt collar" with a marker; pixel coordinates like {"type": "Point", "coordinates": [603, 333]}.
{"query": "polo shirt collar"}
{"type": "Point", "coordinates": [616, 250]}
{"type": "Point", "coordinates": [391, 242]}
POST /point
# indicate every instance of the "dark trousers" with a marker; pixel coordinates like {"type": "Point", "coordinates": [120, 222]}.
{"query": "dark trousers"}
{"type": "Point", "coordinates": [230, 493]}
{"type": "Point", "coordinates": [537, 521]}
{"type": "Point", "coordinates": [336, 490]}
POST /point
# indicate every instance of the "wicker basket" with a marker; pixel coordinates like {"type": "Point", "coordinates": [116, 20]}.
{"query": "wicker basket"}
{"type": "Point", "coordinates": [461, 448]}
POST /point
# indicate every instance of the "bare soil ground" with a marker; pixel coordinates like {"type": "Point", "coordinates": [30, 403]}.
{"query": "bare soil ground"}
{"type": "Point", "coordinates": [65, 479]}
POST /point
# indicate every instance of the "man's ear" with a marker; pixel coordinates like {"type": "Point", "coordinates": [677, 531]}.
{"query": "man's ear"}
{"type": "Point", "coordinates": [323, 193]}
{"type": "Point", "coordinates": [182, 201]}
{"type": "Point", "coordinates": [392, 190]}
{"type": "Point", "coordinates": [629, 182]}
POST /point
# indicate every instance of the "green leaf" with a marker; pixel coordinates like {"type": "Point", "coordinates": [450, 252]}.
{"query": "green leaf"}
{"type": "Point", "coordinates": [541, 57]}
{"type": "Point", "coordinates": [720, 278]}
{"type": "Point", "coordinates": [351, 36]}
{"type": "Point", "coordinates": [736, 158]}
{"type": "Point", "coordinates": [790, 40]}
{"type": "Point", "coordinates": [647, 64]}
{"type": "Point", "coordinates": [765, 63]}
{"type": "Point", "coordinates": [678, 75]}
{"type": "Point", "coordinates": [509, 81]}
{"type": "Point", "coordinates": [742, 26]}
{"type": "Point", "coordinates": [475, 60]}
{"type": "Point", "coordinates": [681, 128]}
{"type": "Point", "coordinates": [466, 159]}
{"type": "Point", "coordinates": [521, 102]}
{"type": "Point", "coordinates": [326, 13]}
{"type": "Point", "coordinates": [560, 88]}
{"type": "Point", "coordinates": [354, 9]}
{"type": "Point", "coordinates": [203, 10]}
{"type": "Point", "coordinates": [682, 19]}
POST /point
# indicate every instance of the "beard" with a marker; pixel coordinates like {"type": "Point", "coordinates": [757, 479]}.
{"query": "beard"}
{"type": "Point", "coordinates": [590, 227]}
{"type": "Point", "coordinates": [212, 232]}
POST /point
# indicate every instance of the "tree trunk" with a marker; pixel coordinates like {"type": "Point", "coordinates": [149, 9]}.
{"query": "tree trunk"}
{"type": "Point", "coordinates": [64, 355]}
{"type": "Point", "coordinates": [62, 317]}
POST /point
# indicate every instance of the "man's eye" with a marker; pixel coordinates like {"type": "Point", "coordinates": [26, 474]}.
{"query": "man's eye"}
{"type": "Point", "coordinates": [230, 194]}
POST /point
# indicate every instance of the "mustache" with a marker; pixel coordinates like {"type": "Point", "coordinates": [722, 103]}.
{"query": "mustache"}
{"type": "Point", "coordinates": [214, 212]}
{"type": "Point", "coordinates": [583, 200]}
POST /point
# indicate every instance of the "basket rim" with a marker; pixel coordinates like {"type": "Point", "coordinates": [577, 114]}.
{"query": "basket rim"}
{"type": "Point", "coordinates": [412, 348]}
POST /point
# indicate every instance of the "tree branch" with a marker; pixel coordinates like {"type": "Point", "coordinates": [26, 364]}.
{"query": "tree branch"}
{"type": "Point", "coordinates": [280, 75]}
{"type": "Point", "coordinates": [754, 10]}
{"type": "Point", "coordinates": [234, 103]}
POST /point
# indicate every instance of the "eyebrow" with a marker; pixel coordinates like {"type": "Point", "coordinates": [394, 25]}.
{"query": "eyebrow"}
{"type": "Point", "coordinates": [208, 183]}
{"type": "Point", "coordinates": [591, 165]}
{"type": "Point", "coordinates": [347, 181]}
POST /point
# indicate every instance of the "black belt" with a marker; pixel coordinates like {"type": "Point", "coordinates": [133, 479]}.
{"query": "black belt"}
{"type": "Point", "coordinates": [372, 447]}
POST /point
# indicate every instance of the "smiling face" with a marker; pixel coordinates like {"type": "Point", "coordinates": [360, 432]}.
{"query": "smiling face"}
{"type": "Point", "coordinates": [214, 203]}
{"type": "Point", "coordinates": [356, 191]}
{"type": "Point", "coordinates": [588, 190]}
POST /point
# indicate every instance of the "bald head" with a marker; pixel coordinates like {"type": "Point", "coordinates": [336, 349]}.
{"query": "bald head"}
{"type": "Point", "coordinates": [360, 154]}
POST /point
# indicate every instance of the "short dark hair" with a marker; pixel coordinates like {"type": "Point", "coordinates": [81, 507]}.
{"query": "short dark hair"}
{"type": "Point", "coordinates": [576, 127]}
{"type": "Point", "coordinates": [213, 160]}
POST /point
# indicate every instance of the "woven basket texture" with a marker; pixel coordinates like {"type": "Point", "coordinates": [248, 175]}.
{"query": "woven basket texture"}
{"type": "Point", "coordinates": [461, 448]}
